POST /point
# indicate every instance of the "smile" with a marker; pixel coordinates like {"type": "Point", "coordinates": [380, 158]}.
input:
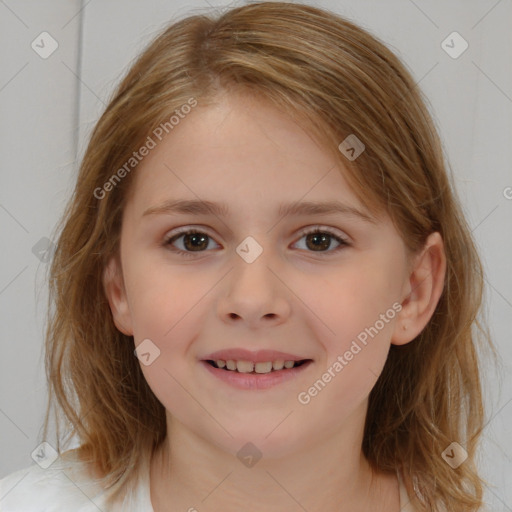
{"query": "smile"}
{"type": "Point", "coordinates": [251, 367]}
{"type": "Point", "coordinates": [262, 375]}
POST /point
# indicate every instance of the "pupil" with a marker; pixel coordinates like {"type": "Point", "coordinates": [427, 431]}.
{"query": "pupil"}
{"type": "Point", "coordinates": [322, 238]}
{"type": "Point", "coordinates": [196, 243]}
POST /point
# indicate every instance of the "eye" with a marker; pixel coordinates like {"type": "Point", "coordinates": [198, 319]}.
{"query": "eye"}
{"type": "Point", "coordinates": [319, 239]}
{"type": "Point", "coordinates": [195, 241]}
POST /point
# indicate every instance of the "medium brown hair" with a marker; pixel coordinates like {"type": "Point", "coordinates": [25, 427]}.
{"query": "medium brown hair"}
{"type": "Point", "coordinates": [336, 79]}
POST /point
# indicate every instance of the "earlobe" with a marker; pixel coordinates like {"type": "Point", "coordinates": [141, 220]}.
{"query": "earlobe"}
{"type": "Point", "coordinates": [113, 284]}
{"type": "Point", "coordinates": [422, 291]}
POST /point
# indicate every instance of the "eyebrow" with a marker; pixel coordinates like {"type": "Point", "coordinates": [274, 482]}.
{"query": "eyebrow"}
{"type": "Point", "coordinates": [198, 207]}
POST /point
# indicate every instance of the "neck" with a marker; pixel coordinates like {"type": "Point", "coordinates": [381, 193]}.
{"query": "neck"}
{"type": "Point", "coordinates": [189, 473]}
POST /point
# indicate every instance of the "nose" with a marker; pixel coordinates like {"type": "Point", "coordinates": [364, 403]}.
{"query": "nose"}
{"type": "Point", "coordinates": [254, 292]}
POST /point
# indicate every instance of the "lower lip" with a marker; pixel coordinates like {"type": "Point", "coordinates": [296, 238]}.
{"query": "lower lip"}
{"type": "Point", "coordinates": [255, 380]}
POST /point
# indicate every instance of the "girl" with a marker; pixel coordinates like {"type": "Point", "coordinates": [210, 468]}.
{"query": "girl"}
{"type": "Point", "coordinates": [265, 290]}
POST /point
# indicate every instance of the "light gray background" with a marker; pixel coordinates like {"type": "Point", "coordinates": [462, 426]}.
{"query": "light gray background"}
{"type": "Point", "coordinates": [49, 106]}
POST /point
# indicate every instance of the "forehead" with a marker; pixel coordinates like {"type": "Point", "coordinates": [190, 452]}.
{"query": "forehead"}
{"type": "Point", "coordinates": [240, 150]}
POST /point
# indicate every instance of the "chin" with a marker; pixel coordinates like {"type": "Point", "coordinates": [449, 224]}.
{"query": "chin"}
{"type": "Point", "coordinates": [252, 442]}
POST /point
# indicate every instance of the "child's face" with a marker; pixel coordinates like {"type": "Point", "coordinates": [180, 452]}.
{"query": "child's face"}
{"type": "Point", "coordinates": [302, 295]}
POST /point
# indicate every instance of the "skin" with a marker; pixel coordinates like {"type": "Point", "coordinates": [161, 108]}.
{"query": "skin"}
{"type": "Point", "coordinates": [292, 298]}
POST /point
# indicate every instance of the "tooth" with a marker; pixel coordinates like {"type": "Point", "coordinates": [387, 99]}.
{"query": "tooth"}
{"type": "Point", "coordinates": [245, 366]}
{"type": "Point", "coordinates": [248, 366]}
{"type": "Point", "coordinates": [263, 367]}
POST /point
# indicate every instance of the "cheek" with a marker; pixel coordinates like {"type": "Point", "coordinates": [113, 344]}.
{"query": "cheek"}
{"type": "Point", "coordinates": [165, 304]}
{"type": "Point", "coordinates": [355, 298]}
{"type": "Point", "coordinates": [163, 298]}
{"type": "Point", "coordinates": [166, 316]}
{"type": "Point", "coordinates": [361, 318]}
{"type": "Point", "coordinates": [358, 306]}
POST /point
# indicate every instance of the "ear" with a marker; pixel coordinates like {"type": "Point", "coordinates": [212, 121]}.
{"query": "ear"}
{"type": "Point", "coordinates": [422, 290]}
{"type": "Point", "coordinates": [113, 284]}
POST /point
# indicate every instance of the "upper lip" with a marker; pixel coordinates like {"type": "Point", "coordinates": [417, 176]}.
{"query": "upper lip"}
{"type": "Point", "coordinates": [259, 356]}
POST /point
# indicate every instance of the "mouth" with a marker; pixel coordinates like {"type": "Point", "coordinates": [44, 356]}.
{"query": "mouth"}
{"type": "Point", "coordinates": [255, 370]}
{"type": "Point", "coordinates": [251, 367]}
{"type": "Point", "coordinates": [256, 376]}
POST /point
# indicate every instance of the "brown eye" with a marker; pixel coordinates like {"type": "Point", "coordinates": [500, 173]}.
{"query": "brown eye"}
{"type": "Point", "coordinates": [192, 241]}
{"type": "Point", "coordinates": [195, 241]}
{"type": "Point", "coordinates": [321, 241]}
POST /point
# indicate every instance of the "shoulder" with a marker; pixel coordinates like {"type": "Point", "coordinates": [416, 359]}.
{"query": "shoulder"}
{"type": "Point", "coordinates": [61, 487]}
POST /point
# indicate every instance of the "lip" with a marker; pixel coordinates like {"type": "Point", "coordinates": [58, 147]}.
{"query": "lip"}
{"type": "Point", "coordinates": [256, 381]}
{"type": "Point", "coordinates": [259, 356]}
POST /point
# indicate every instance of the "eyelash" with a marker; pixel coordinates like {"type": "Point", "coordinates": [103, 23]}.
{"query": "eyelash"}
{"type": "Point", "coordinates": [190, 254]}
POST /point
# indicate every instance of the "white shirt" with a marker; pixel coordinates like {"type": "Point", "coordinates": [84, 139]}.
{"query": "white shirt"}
{"type": "Point", "coordinates": [60, 488]}
{"type": "Point", "coordinates": [65, 487]}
